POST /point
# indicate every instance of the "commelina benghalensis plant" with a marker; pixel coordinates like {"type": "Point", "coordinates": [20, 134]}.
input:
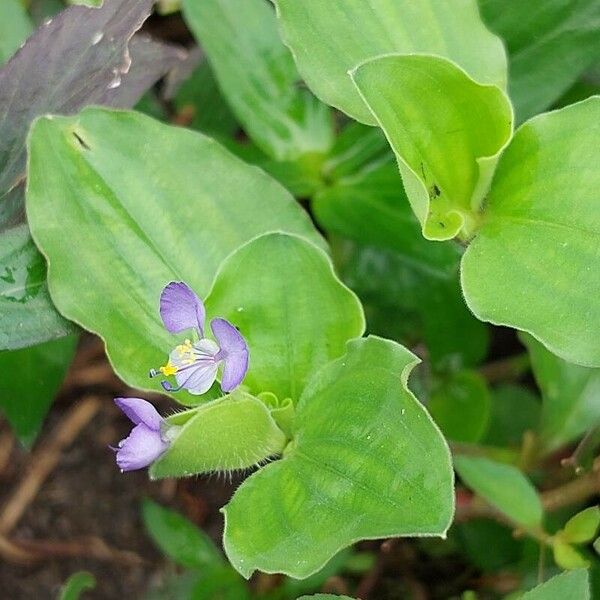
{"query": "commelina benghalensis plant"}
{"type": "Point", "coordinates": [438, 183]}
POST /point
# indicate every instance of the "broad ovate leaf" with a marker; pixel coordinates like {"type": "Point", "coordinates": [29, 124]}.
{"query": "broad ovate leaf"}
{"type": "Point", "coordinates": [280, 291]}
{"type": "Point", "coordinates": [328, 39]}
{"type": "Point", "coordinates": [503, 486]}
{"type": "Point", "coordinates": [366, 462]}
{"type": "Point", "coordinates": [550, 44]}
{"type": "Point", "coordinates": [140, 204]}
{"type": "Point", "coordinates": [231, 433]}
{"type": "Point", "coordinates": [570, 396]}
{"type": "Point", "coordinates": [258, 77]}
{"type": "Point", "coordinates": [533, 264]}
{"type": "Point", "coordinates": [447, 132]}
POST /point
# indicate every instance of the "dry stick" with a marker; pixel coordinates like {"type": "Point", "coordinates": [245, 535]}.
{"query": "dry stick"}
{"type": "Point", "coordinates": [44, 460]}
{"type": "Point", "coordinates": [7, 443]}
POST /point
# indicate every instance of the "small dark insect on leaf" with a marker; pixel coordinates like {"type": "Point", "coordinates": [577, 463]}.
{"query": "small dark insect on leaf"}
{"type": "Point", "coordinates": [81, 141]}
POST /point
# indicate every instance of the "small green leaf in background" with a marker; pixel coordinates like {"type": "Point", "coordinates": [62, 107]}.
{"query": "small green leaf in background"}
{"type": "Point", "coordinates": [258, 77]}
{"type": "Point", "coordinates": [503, 486]}
{"type": "Point", "coordinates": [570, 396]}
{"type": "Point", "coordinates": [549, 42]}
{"type": "Point", "coordinates": [447, 132]}
{"type": "Point", "coordinates": [531, 266]}
{"type": "Point", "coordinates": [568, 557]}
{"type": "Point", "coordinates": [234, 432]}
{"type": "Point", "coordinates": [32, 376]}
{"type": "Point", "coordinates": [15, 26]}
{"type": "Point", "coordinates": [178, 538]}
{"type": "Point", "coordinates": [295, 322]}
{"type": "Point", "coordinates": [582, 527]}
{"type": "Point", "coordinates": [366, 462]}
{"type": "Point", "coordinates": [76, 585]}
{"type": "Point", "coordinates": [566, 586]}
{"type": "Point", "coordinates": [461, 407]}
{"type": "Point", "coordinates": [327, 43]}
{"type": "Point", "coordinates": [514, 410]}
{"type": "Point", "coordinates": [141, 204]}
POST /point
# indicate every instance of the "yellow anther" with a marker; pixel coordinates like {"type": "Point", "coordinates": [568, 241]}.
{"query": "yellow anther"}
{"type": "Point", "coordinates": [168, 369]}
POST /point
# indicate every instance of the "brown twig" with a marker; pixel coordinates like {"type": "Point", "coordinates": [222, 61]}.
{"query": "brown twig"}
{"type": "Point", "coordinates": [31, 551]}
{"type": "Point", "coordinates": [43, 461]}
{"type": "Point", "coordinates": [7, 443]}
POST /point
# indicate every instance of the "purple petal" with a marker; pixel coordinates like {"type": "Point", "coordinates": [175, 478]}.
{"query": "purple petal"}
{"type": "Point", "coordinates": [181, 309]}
{"type": "Point", "coordinates": [140, 411]}
{"type": "Point", "coordinates": [233, 352]}
{"type": "Point", "coordinates": [199, 378]}
{"type": "Point", "coordinates": [140, 449]}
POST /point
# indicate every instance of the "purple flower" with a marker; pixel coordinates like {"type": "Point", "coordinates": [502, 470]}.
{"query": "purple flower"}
{"type": "Point", "coordinates": [195, 364]}
{"type": "Point", "coordinates": [146, 441]}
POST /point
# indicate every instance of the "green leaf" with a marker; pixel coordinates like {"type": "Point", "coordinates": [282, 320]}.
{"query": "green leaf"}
{"type": "Point", "coordinates": [503, 486]}
{"type": "Point", "coordinates": [258, 77]}
{"type": "Point", "coordinates": [514, 410]}
{"type": "Point", "coordinates": [570, 394]}
{"type": "Point", "coordinates": [330, 38]}
{"type": "Point", "coordinates": [297, 323]}
{"type": "Point", "coordinates": [447, 132]}
{"type": "Point", "coordinates": [15, 27]}
{"type": "Point", "coordinates": [566, 585]}
{"type": "Point", "coordinates": [234, 432]}
{"type": "Point", "coordinates": [178, 538]}
{"type": "Point", "coordinates": [550, 44]}
{"type": "Point", "coordinates": [531, 265]}
{"type": "Point", "coordinates": [461, 407]}
{"type": "Point", "coordinates": [366, 462]}
{"type": "Point", "coordinates": [76, 585]}
{"type": "Point", "coordinates": [568, 557]}
{"type": "Point", "coordinates": [582, 528]}
{"type": "Point", "coordinates": [27, 314]}
{"type": "Point", "coordinates": [32, 378]}
{"type": "Point", "coordinates": [143, 204]}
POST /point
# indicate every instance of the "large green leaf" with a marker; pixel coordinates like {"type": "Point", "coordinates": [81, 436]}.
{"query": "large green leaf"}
{"type": "Point", "coordinates": [232, 433]}
{"type": "Point", "coordinates": [533, 264]}
{"type": "Point", "coordinates": [447, 132]}
{"type": "Point", "coordinates": [141, 204]}
{"type": "Point", "coordinates": [366, 462]}
{"type": "Point", "coordinates": [570, 394]}
{"type": "Point", "coordinates": [281, 293]}
{"type": "Point", "coordinates": [32, 378]}
{"type": "Point", "coordinates": [503, 486]}
{"type": "Point", "coordinates": [15, 26]}
{"type": "Point", "coordinates": [550, 44]}
{"type": "Point", "coordinates": [27, 313]}
{"type": "Point", "coordinates": [573, 584]}
{"type": "Point", "coordinates": [330, 38]}
{"type": "Point", "coordinates": [258, 77]}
